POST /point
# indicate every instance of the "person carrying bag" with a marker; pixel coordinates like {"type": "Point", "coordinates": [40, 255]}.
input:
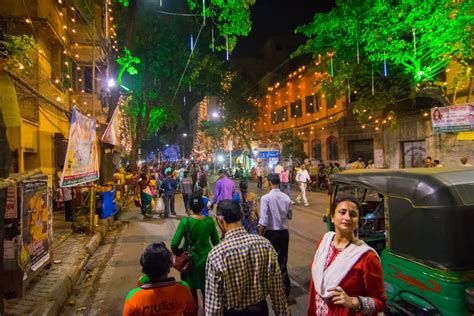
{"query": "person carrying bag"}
{"type": "Point", "coordinates": [182, 259]}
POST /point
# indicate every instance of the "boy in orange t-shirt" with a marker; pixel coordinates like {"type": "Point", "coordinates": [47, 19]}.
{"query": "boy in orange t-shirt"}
{"type": "Point", "coordinates": [163, 295]}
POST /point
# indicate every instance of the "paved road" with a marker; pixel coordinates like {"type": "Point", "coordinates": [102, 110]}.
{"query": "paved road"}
{"type": "Point", "coordinates": [114, 269]}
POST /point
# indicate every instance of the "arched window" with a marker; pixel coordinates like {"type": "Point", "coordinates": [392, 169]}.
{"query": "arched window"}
{"type": "Point", "coordinates": [333, 148]}
{"type": "Point", "coordinates": [317, 149]}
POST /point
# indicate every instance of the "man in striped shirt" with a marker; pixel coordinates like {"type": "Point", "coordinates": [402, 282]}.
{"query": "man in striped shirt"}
{"type": "Point", "coordinates": [242, 271]}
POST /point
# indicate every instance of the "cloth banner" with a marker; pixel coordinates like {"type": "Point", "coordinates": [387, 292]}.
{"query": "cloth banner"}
{"type": "Point", "coordinates": [453, 118]}
{"type": "Point", "coordinates": [82, 161]}
{"type": "Point", "coordinates": [112, 132]}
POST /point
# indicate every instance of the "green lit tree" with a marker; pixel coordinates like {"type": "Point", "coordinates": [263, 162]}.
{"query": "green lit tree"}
{"type": "Point", "coordinates": [388, 50]}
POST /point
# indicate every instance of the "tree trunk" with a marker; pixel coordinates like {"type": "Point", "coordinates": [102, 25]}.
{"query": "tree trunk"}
{"type": "Point", "coordinates": [4, 173]}
{"type": "Point", "coordinates": [132, 12]}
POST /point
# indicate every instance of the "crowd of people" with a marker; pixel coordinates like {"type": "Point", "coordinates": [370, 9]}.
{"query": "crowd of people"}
{"type": "Point", "coordinates": [236, 271]}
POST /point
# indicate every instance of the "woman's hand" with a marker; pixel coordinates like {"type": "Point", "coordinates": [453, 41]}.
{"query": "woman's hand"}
{"type": "Point", "coordinates": [340, 297]}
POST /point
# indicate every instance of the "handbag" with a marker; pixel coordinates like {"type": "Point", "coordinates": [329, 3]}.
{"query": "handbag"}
{"type": "Point", "coordinates": [183, 262]}
{"type": "Point", "coordinates": [160, 205]}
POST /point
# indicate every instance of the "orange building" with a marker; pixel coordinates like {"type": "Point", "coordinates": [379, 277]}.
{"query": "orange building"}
{"type": "Point", "coordinates": [298, 105]}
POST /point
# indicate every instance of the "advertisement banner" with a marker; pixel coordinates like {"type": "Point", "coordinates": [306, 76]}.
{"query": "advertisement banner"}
{"type": "Point", "coordinates": [112, 132]}
{"type": "Point", "coordinates": [35, 224]}
{"type": "Point", "coordinates": [82, 162]}
{"type": "Point", "coordinates": [453, 118]}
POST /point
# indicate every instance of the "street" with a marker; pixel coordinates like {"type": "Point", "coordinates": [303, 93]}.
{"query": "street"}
{"type": "Point", "coordinates": [114, 268]}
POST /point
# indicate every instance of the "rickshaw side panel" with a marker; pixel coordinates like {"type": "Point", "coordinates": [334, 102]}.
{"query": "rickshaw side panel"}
{"type": "Point", "coordinates": [443, 290]}
{"type": "Point", "coordinates": [439, 237]}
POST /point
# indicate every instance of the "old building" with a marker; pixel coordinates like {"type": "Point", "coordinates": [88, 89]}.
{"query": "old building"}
{"type": "Point", "coordinates": [68, 68]}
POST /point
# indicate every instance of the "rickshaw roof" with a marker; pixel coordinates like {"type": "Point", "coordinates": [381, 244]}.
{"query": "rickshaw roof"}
{"type": "Point", "coordinates": [422, 186]}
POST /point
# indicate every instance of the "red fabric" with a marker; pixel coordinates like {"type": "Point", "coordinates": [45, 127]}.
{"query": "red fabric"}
{"type": "Point", "coordinates": [364, 279]}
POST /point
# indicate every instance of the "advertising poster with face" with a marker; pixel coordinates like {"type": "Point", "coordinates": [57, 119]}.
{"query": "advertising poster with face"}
{"type": "Point", "coordinates": [35, 224]}
{"type": "Point", "coordinates": [82, 162]}
{"type": "Point", "coordinates": [453, 118]}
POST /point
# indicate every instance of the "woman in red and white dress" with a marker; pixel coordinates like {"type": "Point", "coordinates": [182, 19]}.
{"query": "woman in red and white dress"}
{"type": "Point", "coordinates": [347, 277]}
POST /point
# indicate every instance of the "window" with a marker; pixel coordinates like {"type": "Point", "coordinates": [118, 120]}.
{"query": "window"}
{"type": "Point", "coordinates": [274, 117]}
{"type": "Point", "coordinates": [317, 102]}
{"type": "Point", "coordinates": [330, 101]}
{"type": "Point", "coordinates": [317, 149]}
{"type": "Point", "coordinates": [333, 148]}
{"type": "Point", "coordinates": [296, 110]}
{"type": "Point", "coordinates": [309, 104]}
{"type": "Point", "coordinates": [87, 78]}
{"type": "Point", "coordinates": [282, 114]}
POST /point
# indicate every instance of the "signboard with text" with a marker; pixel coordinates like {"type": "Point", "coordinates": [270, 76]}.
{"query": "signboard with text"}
{"type": "Point", "coordinates": [453, 118]}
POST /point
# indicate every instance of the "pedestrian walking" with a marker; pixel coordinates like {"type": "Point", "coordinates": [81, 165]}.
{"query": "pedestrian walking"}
{"type": "Point", "coordinates": [146, 196]}
{"type": "Point", "coordinates": [169, 186]}
{"type": "Point", "coordinates": [160, 291]}
{"type": "Point", "coordinates": [347, 277]}
{"type": "Point", "coordinates": [285, 184]}
{"type": "Point", "coordinates": [224, 188]}
{"type": "Point", "coordinates": [242, 271]}
{"type": "Point", "coordinates": [302, 178]}
{"type": "Point", "coordinates": [259, 173]}
{"type": "Point", "coordinates": [248, 203]}
{"type": "Point", "coordinates": [186, 190]}
{"type": "Point", "coordinates": [198, 232]}
{"type": "Point", "coordinates": [275, 211]}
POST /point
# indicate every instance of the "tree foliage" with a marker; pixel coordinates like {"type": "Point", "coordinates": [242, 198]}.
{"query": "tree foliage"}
{"type": "Point", "coordinates": [20, 52]}
{"type": "Point", "coordinates": [293, 146]}
{"type": "Point", "coordinates": [387, 50]}
{"type": "Point", "coordinates": [238, 114]}
{"type": "Point", "coordinates": [232, 19]}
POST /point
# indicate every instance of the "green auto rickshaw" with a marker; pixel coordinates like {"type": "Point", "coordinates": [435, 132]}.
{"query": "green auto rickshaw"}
{"type": "Point", "coordinates": [421, 221]}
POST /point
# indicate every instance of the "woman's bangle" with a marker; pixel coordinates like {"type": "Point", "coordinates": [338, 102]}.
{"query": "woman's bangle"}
{"type": "Point", "coordinates": [360, 308]}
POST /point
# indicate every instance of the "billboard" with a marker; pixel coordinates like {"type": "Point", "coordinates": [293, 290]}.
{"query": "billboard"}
{"type": "Point", "coordinates": [453, 118]}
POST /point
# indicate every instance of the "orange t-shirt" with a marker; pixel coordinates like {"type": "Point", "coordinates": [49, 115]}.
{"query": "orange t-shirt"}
{"type": "Point", "coordinates": [166, 298]}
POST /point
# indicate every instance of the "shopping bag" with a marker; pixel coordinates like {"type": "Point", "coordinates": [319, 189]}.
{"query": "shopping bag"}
{"type": "Point", "coordinates": [160, 205]}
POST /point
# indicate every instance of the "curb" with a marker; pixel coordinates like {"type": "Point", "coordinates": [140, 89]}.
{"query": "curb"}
{"type": "Point", "coordinates": [64, 287]}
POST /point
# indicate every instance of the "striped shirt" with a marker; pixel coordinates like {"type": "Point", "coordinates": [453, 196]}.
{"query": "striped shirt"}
{"type": "Point", "coordinates": [241, 271]}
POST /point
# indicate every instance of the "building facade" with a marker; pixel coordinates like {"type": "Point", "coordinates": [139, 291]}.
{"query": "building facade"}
{"type": "Point", "coordinates": [297, 105]}
{"type": "Point", "coordinates": [69, 69]}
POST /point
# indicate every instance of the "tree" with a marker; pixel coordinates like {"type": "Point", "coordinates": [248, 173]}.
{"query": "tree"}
{"type": "Point", "coordinates": [293, 146]}
{"type": "Point", "coordinates": [158, 55]}
{"type": "Point", "coordinates": [238, 114]}
{"type": "Point", "coordinates": [388, 51]}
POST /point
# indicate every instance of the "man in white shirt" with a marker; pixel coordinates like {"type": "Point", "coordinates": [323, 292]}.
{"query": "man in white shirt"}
{"type": "Point", "coordinates": [302, 178]}
{"type": "Point", "coordinates": [278, 168]}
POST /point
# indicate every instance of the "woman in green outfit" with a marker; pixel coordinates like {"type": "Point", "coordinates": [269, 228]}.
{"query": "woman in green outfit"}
{"type": "Point", "coordinates": [203, 232]}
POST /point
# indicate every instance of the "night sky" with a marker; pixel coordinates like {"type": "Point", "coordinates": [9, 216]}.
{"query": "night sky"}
{"type": "Point", "coordinates": [278, 17]}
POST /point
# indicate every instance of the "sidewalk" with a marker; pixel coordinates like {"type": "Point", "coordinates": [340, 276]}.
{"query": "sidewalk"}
{"type": "Point", "coordinates": [50, 290]}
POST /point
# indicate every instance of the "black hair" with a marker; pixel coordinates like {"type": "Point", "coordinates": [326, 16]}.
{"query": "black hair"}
{"type": "Point", "coordinates": [273, 178]}
{"type": "Point", "coordinates": [343, 198]}
{"type": "Point", "coordinates": [221, 171]}
{"type": "Point", "coordinates": [230, 210]}
{"type": "Point", "coordinates": [197, 204]}
{"type": "Point", "coordinates": [156, 261]}
{"type": "Point", "coordinates": [185, 174]}
{"type": "Point", "coordinates": [244, 186]}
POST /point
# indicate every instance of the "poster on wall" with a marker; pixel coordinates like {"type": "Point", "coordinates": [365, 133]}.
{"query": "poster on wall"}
{"type": "Point", "coordinates": [378, 158]}
{"type": "Point", "coordinates": [82, 162]}
{"type": "Point", "coordinates": [35, 224]}
{"type": "Point", "coordinates": [453, 118]}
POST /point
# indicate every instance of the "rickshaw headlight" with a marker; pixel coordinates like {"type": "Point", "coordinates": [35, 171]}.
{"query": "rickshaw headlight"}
{"type": "Point", "coordinates": [470, 299]}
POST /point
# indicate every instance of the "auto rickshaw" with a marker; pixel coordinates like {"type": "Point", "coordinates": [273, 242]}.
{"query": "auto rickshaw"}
{"type": "Point", "coordinates": [421, 222]}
